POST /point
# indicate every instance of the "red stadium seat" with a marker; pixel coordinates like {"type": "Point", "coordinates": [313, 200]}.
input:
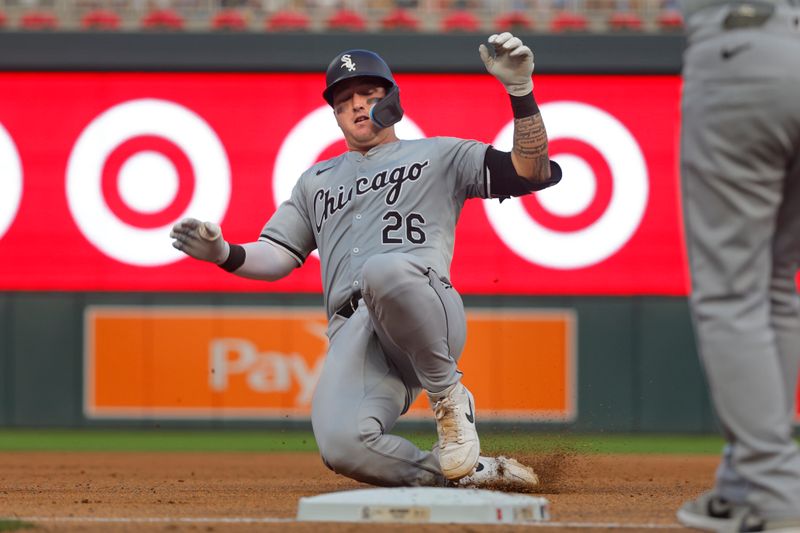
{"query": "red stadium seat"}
{"type": "Point", "coordinates": [625, 21]}
{"type": "Point", "coordinates": [400, 19]}
{"type": "Point", "coordinates": [514, 21]}
{"type": "Point", "coordinates": [569, 21]}
{"type": "Point", "coordinates": [101, 19]}
{"type": "Point", "coordinates": [461, 21]}
{"type": "Point", "coordinates": [229, 20]}
{"type": "Point", "coordinates": [162, 19]}
{"type": "Point", "coordinates": [39, 20]}
{"type": "Point", "coordinates": [670, 20]}
{"type": "Point", "coordinates": [288, 21]}
{"type": "Point", "coordinates": [347, 20]}
{"type": "Point", "coordinates": [3, 19]}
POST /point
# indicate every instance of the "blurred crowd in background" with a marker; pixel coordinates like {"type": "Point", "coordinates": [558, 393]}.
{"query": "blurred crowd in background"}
{"type": "Point", "coordinates": [342, 15]}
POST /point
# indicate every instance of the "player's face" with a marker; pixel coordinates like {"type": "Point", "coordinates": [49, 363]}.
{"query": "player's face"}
{"type": "Point", "coordinates": [352, 101]}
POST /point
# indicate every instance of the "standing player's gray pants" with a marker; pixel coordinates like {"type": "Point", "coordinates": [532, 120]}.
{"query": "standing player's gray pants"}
{"type": "Point", "coordinates": [407, 335]}
{"type": "Point", "coordinates": [740, 161]}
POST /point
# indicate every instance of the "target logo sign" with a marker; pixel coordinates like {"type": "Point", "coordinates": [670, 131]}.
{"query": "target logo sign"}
{"type": "Point", "coordinates": [10, 181]}
{"type": "Point", "coordinates": [304, 144]}
{"type": "Point", "coordinates": [133, 153]}
{"type": "Point", "coordinates": [138, 168]}
{"type": "Point", "coordinates": [597, 206]}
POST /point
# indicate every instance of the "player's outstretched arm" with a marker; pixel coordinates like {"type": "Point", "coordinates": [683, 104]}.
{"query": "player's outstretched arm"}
{"type": "Point", "coordinates": [265, 261]}
{"type": "Point", "coordinates": [511, 62]}
{"type": "Point", "coordinates": [254, 260]}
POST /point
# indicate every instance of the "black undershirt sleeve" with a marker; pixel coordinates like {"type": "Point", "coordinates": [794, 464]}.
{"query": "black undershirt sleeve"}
{"type": "Point", "coordinates": [503, 181]}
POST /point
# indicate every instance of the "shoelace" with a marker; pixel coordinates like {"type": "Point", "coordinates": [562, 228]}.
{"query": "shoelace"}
{"type": "Point", "coordinates": [449, 429]}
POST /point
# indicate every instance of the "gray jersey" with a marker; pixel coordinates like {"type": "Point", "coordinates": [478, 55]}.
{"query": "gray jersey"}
{"type": "Point", "coordinates": [404, 196]}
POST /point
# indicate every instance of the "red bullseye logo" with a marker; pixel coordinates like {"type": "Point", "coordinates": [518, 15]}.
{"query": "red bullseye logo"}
{"type": "Point", "coordinates": [147, 181]}
{"type": "Point", "coordinates": [598, 204]}
{"type": "Point", "coordinates": [10, 181]}
{"type": "Point", "coordinates": [136, 170]}
{"type": "Point", "coordinates": [589, 198]}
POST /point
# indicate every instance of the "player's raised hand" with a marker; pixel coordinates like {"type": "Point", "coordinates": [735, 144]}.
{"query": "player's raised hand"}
{"type": "Point", "coordinates": [201, 240]}
{"type": "Point", "coordinates": [511, 62]}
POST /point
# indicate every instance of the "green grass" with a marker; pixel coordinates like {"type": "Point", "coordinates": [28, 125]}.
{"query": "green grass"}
{"type": "Point", "coordinates": [173, 440]}
{"type": "Point", "coordinates": [160, 440]}
{"type": "Point", "coordinates": [14, 525]}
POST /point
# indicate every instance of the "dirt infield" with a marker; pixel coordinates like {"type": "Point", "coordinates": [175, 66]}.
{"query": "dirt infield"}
{"type": "Point", "coordinates": [192, 491]}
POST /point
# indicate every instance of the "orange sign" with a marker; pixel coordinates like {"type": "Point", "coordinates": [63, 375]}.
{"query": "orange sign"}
{"type": "Point", "coordinates": [215, 362]}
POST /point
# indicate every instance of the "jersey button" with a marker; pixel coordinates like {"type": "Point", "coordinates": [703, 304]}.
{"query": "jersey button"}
{"type": "Point", "coordinates": [358, 217]}
{"type": "Point", "coordinates": [355, 284]}
{"type": "Point", "coordinates": [355, 250]}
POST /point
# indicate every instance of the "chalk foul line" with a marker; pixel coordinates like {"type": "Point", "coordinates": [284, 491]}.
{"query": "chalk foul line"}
{"type": "Point", "coordinates": [274, 520]}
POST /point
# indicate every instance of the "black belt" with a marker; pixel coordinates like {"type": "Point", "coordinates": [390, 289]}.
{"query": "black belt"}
{"type": "Point", "coordinates": [349, 306]}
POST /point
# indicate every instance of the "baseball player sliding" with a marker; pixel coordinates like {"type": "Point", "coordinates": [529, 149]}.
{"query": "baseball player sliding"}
{"type": "Point", "coordinates": [382, 216]}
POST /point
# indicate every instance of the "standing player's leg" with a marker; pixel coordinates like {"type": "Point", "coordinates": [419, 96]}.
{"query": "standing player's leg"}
{"type": "Point", "coordinates": [419, 319]}
{"type": "Point", "coordinates": [785, 305]}
{"type": "Point", "coordinates": [785, 316]}
{"type": "Point", "coordinates": [357, 401]}
{"type": "Point", "coordinates": [729, 164]}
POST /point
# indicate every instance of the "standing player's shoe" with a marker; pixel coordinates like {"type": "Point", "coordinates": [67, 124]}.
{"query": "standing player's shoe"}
{"type": "Point", "coordinates": [500, 473]}
{"type": "Point", "coordinates": [710, 512]}
{"type": "Point", "coordinates": [750, 523]}
{"type": "Point", "coordinates": [454, 410]}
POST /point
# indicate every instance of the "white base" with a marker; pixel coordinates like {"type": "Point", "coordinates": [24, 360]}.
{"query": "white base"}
{"type": "Point", "coordinates": [424, 505]}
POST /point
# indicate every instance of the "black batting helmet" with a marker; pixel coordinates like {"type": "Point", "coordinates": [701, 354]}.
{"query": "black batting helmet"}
{"type": "Point", "coordinates": [363, 63]}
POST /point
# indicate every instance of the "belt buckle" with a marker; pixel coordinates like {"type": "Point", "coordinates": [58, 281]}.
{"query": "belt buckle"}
{"type": "Point", "coordinates": [354, 303]}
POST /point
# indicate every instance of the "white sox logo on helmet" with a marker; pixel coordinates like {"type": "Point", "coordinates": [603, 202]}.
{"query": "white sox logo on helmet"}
{"type": "Point", "coordinates": [347, 61]}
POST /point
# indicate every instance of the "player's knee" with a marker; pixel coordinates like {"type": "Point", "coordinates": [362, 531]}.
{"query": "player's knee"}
{"type": "Point", "coordinates": [341, 452]}
{"type": "Point", "coordinates": [381, 272]}
{"type": "Point", "coordinates": [337, 458]}
{"type": "Point", "coordinates": [347, 452]}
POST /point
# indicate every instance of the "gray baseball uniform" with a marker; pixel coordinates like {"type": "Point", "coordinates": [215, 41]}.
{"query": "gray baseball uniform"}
{"type": "Point", "coordinates": [384, 225]}
{"type": "Point", "coordinates": [740, 163]}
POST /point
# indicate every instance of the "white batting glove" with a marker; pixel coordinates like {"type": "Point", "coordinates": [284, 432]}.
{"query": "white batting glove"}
{"type": "Point", "coordinates": [512, 63]}
{"type": "Point", "coordinates": [201, 240]}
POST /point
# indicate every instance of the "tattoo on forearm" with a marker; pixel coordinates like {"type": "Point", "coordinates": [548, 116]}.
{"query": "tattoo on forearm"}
{"type": "Point", "coordinates": [530, 142]}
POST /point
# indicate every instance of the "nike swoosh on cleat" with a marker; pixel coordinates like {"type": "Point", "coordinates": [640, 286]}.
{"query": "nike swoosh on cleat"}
{"type": "Point", "coordinates": [470, 416]}
{"type": "Point", "coordinates": [718, 508]}
{"type": "Point", "coordinates": [320, 171]}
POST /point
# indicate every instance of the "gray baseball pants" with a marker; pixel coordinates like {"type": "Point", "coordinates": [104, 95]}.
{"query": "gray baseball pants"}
{"type": "Point", "coordinates": [740, 164]}
{"type": "Point", "coordinates": [406, 336]}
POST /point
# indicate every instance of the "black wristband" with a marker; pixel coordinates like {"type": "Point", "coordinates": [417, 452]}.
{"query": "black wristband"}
{"type": "Point", "coordinates": [524, 106]}
{"type": "Point", "coordinates": [235, 258]}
